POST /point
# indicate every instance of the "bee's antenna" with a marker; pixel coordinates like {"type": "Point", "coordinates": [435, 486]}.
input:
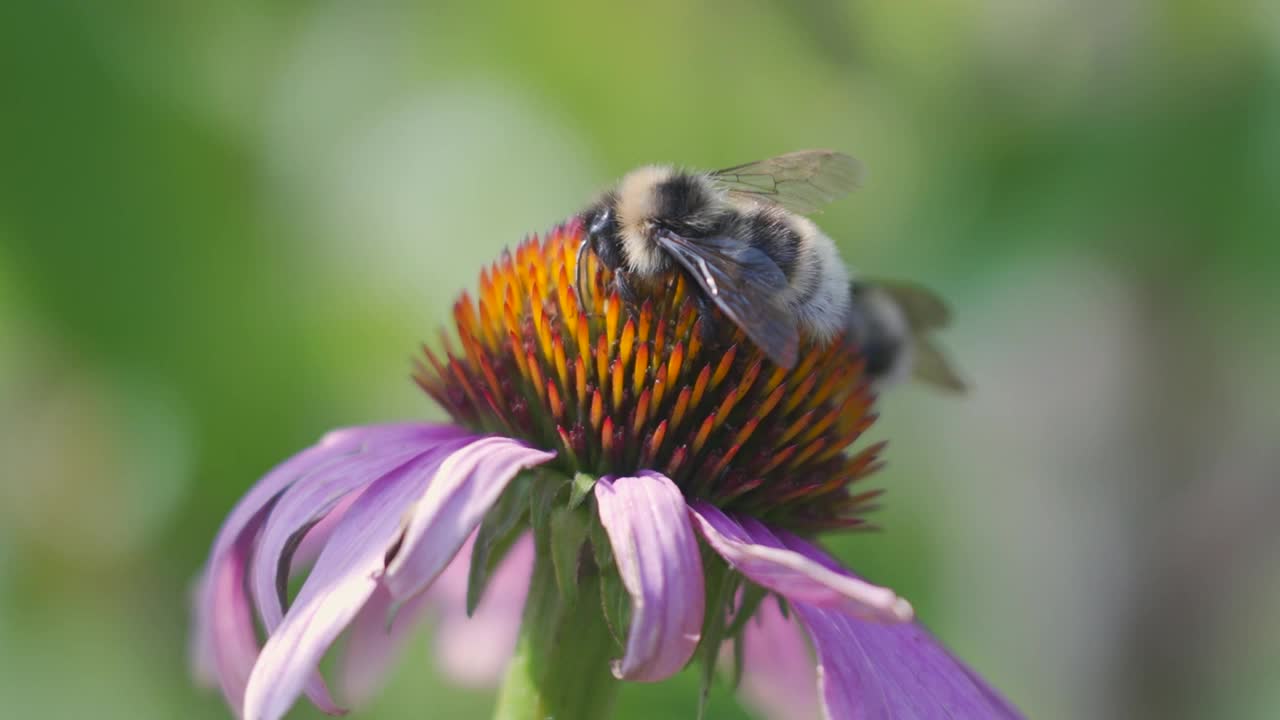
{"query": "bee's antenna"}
{"type": "Point", "coordinates": [579, 269]}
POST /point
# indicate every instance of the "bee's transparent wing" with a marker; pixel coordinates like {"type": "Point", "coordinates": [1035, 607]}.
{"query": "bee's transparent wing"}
{"type": "Point", "coordinates": [801, 181]}
{"type": "Point", "coordinates": [922, 307]}
{"type": "Point", "coordinates": [929, 364]}
{"type": "Point", "coordinates": [743, 282]}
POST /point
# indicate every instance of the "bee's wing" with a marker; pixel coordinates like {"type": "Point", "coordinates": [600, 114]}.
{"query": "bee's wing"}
{"type": "Point", "coordinates": [743, 282]}
{"type": "Point", "coordinates": [930, 365]}
{"type": "Point", "coordinates": [801, 181]}
{"type": "Point", "coordinates": [922, 307]}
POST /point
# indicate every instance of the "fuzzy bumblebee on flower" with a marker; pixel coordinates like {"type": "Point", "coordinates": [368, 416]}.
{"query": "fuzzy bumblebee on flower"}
{"type": "Point", "coordinates": [652, 410]}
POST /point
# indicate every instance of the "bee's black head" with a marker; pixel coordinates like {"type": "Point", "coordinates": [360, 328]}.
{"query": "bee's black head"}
{"type": "Point", "coordinates": [601, 223]}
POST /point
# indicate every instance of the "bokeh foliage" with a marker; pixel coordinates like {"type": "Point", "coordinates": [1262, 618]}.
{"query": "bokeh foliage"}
{"type": "Point", "coordinates": [225, 226]}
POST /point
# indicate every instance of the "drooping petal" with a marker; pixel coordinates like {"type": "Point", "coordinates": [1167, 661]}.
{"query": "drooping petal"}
{"type": "Point", "coordinates": [227, 618]}
{"type": "Point", "coordinates": [775, 561]}
{"type": "Point", "coordinates": [308, 500]}
{"type": "Point", "coordinates": [451, 508]}
{"type": "Point", "coordinates": [659, 562]}
{"type": "Point", "coordinates": [375, 640]}
{"type": "Point", "coordinates": [344, 577]}
{"type": "Point", "coordinates": [779, 678]}
{"type": "Point", "coordinates": [474, 651]}
{"type": "Point", "coordinates": [220, 603]}
{"type": "Point", "coordinates": [880, 671]}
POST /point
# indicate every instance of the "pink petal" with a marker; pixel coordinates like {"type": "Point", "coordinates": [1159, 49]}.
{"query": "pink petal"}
{"type": "Point", "coordinates": [659, 562]}
{"type": "Point", "coordinates": [781, 564]}
{"type": "Point", "coordinates": [873, 670]}
{"type": "Point", "coordinates": [451, 508]}
{"type": "Point", "coordinates": [374, 642]}
{"type": "Point", "coordinates": [344, 576]}
{"type": "Point", "coordinates": [778, 674]}
{"type": "Point", "coordinates": [310, 499]}
{"type": "Point", "coordinates": [474, 651]}
{"type": "Point", "coordinates": [228, 618]}
{"type": "Point", "coordinates": [222, 633]}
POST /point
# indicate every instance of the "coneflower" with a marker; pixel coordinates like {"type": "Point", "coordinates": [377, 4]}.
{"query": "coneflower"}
{"type": "Point", "coordinates": [673, 479]}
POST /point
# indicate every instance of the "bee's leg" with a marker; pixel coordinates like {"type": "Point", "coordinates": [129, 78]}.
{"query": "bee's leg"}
{"type": "Point", "coordinates": [706, 318]}
{"type": "Point", "coordinates": [626, 288]}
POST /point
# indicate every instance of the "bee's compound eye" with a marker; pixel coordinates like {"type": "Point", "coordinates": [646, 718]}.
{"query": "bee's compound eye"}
{"type": "Point", "coordinates": [600, 222]}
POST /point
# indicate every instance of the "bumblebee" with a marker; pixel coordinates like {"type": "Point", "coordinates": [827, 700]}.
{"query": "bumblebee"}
{"type": "Point", "coordinates": [742, 236]}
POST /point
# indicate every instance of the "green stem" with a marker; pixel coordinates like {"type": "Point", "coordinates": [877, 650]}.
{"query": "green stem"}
{"type": "Point", "coordinates": [561, 667]}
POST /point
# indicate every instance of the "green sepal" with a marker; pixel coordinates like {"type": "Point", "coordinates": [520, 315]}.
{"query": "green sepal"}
{"type": "Point", "coordinates": [569, 530]}
{"type": "Point", "coordinates": [580, 488]}
{"type": "Point", "coordinates": [752, 595]}
{"type": "Point", "coordinates": [721, 587]}
{"type": "Point", "coordinates": [601, 547]}
{"type": "Point", "coordinates": [498, 532]}
{"type": "Point", "coordinates": [616, 603]}
{"type": "Point", "coordinates": [546, 488]}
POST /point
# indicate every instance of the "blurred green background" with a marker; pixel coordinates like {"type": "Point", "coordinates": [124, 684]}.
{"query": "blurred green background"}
{"type": "Point", "coordinates": [224, 228]}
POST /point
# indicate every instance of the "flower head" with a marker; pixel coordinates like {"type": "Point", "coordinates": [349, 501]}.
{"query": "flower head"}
{"type": "Point", "coordinates": [618, 389]}
{"type": "Point", "coordinates": [656, 430]}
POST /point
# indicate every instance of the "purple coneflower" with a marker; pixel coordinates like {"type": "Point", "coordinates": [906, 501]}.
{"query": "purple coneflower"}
{"type": "Point", "coordinates": [673, 480]}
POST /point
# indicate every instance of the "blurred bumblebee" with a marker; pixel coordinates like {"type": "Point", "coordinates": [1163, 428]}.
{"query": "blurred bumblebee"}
{"type": "Point", "coordinates": [741, 235]}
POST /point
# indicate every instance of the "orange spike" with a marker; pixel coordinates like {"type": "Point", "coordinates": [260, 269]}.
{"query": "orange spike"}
{"type": "Point", "coordinates": [540, 273]}
{"type": "Point", "coordinates": [641, 369]}
{"type": "Point", "coordinates": [510, 318]}
{"type": "Point", "coordinates": [486, 325]}
{"type": "Point", "coordinates": [597, 409]}
{"type": "Point", "coordinates": [641, 414]}
{"type": "Point", "coordinates": [744, 434]}
{"type": "Point", "coordinates": [660, 339]}
{"type": "Point", "coordinates": [490, 377]}
{"type": "Point", "coordinates": [770, 402]}
{"type": "Point", "coordinates": [568, 300]}
{"type": "Point", "coordinates": [722, 369]}
{"type": "Point", "coordinates": [676, 463]}
{"type": "Point", "coordinates": [513, 347]}
{"type": "Point", "coordinates": [675, 361]}
{"type": "Point", "coordinates": [829, 385]}
{"type": "Point", "coordinates": [659, 386]}
{"type": "Point", "coordinates": [580, 381]}
{"type": "Point", "coordinates": [806, 365]}
{"type": "Point", "coordinates": [677, 293]}
{"type": "Point", "coordinates": [655, 442]}
{"type": "Point", "coordinates": [828, 418]}
{"type": "Point", "coordinates": [602, 359]}
{"type": "Point", "coordinates": [582, 336]}
{"type": "Point", "coordinates": [535, 377]}
{"type": "Point", "coordinates": [684, 319]}
{"type": "Point", "coordinates": [778, 459]}
{"type": "Point", "coordinates": [700, 386]}
{"type": "Point", "coordinates": [606, 436]}
{"type": "Point", "coordinates": [616, 384]}
{"type": "Point", "coordinates": [799, 394]}
{"type": "Point", "coordinates": [646, 320]}
{"type": "Point", "coordinates": [775, 379]}
{"type": "Point", "coordinates": [796, 427]}
{"type": "Point", "coordinates": [553, 400]}
{"type": "Point", "coordinates": [455, 369]}
{"type": "Point", "coordinates": [804, 455]}
{"type": "Point", "coordinates": [682, 404]}
{"type": "Point", "coordinates": [627, 342]}
{"type": "Point", "coordinates": [704, 432]}
{"type": "Point", "coordinates": [612, 313]}
{"type": "Point", "coordinates": [561, 362]}
{"type": "Point", "coordinates": [695, 340]}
